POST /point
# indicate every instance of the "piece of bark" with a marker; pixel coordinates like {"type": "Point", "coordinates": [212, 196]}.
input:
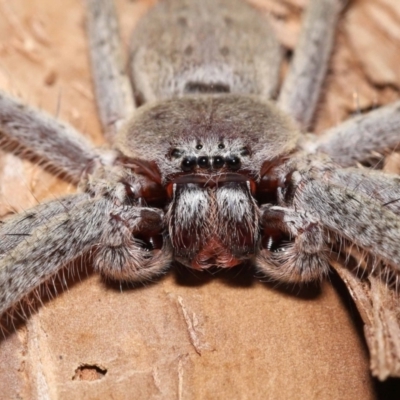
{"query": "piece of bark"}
{"type": "Point", "coordinates": [379, 307]}
{"type": "Point", "coordinates": [211, 337]}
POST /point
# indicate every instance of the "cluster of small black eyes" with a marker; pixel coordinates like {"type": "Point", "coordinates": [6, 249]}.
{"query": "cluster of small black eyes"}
{"type": "Point", "coordinates": [232, 162]}
{"type": "Point", "coordinates": [217, 162]}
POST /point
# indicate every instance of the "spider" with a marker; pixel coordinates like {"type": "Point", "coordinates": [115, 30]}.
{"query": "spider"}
{"type": "Point", "coordinates": [207, 172]}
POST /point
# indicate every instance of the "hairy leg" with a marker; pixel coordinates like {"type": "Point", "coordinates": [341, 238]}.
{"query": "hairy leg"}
{"type": "Point", "coordinates": [376, 185]}
{"type": "Point", "coordinates": [114, 95]}
{"type": "Point", "coordinates": [104, 229]}
{"type": "Point", "coordinates": [330, 208]}
{"type": "Point", "coordinates": [302, 86]}
{"type": "Point", "coordinates": [40, 255]}
{"type": "Point", "coordinates": [302, 255]}
{"type": "Point", "coordinates": [362, 139]}
{"type": "Point", "coordinates": [362, 221]}
{"type": "Point", "coordinates": [18, 228]}
{"type": "Point", "coordinates": [38, 136]}
{"type": "Point", "coordinates": [354, 219]}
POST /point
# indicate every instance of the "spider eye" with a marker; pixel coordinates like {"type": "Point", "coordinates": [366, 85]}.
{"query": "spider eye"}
{"type": "Point", "coordinates": [221, 146]}
{"type": "Point", "coordinates": [203, 162]}
{"type": "Point", "coordinates": [199, 146]}
{"type": "Point", "coordinates": [244, 152]}
{"type": "Point", "coordinates": [188, 163]}
{"type": "Point", "coordinates": [218, 162]}
{"type": "Point", "coordinates": [233, 162]}
{"type": "Point", "coordinates": [176, 153]}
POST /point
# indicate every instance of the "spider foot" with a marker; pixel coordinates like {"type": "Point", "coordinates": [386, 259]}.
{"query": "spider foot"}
{"type": "Point", "coordinates": [293, 247]}
{"type": "Point", "coordinates": [133, 247]}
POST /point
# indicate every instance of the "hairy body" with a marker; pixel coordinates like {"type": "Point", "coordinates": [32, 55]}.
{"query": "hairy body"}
{"type": "Point", "coordinates": [115, 266]}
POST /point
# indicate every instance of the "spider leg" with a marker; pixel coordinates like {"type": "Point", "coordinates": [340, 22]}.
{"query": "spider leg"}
{"type": "Point", "coordinates": [328, 207]}
{"type": "Point", "coordinates": [40, 256]}
{"type": "Point", "coordinates": [303, 257]}
{"type": "Point", "coordinates": [376, 185]}
{"type": "Point", "coordinates": [38, 136]}
{"type": "Point", "coordinates": [100, 227]}
{"type": "Point", "coordinates": [340, 207]}
{"type": "Point", "coordinates": [361, 139]}
{"type": "Point", "coordinates": [302, 86]}
{"type": "Point", "coordinates": [349, 215]}
{"type": "Point", "coordinates": [16, 229]}
{"type": "Point", "coordinates": [112, 87]}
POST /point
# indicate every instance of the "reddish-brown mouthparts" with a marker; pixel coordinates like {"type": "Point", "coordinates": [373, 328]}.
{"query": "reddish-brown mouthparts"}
{"type": "Point", "coordinates": [210, 181]}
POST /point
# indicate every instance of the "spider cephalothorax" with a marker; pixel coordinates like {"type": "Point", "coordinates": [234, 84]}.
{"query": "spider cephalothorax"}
{"type": "Point", "coordinates": [209, 153]}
